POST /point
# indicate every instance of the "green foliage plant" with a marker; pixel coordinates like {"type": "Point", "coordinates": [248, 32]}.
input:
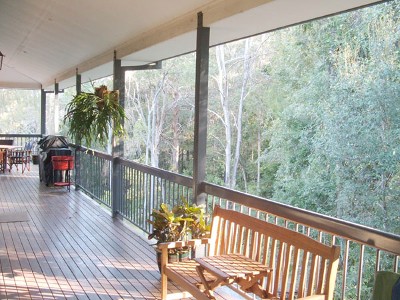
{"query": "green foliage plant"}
{"type": "Point", "coordinates": [178, 223]}
{"type": "Point", "coordinates": [91, 115]}
{"type": "Point", "coordinates": [197, 226]}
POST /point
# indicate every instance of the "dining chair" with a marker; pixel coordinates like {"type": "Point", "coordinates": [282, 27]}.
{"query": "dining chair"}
{"type": "Point", "coordinates": [20, 157]}
{"type": "Point", "coordinates": [3, 160]}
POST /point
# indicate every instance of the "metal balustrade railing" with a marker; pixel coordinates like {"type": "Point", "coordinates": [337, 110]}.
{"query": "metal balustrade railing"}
{"type": "Point", "coordinates": [138, 189]}
{"type": "Point", "coordinates": [144, 188]}
{"type": "Point", "coordinates": [93, 174]}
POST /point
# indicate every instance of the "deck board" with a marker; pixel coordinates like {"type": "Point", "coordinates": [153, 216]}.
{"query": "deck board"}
{"type": "Point", "coordinates": [70, 248]}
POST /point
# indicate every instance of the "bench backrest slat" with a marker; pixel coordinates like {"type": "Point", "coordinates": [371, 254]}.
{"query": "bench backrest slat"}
{"type": "Point", "coordinates": [301, 265]}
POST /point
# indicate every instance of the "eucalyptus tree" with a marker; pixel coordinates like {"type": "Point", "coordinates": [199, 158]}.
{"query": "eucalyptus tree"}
{"type": "Point", "coordinates": [159, 107]}
{"type": "Point", "coordinates": [336, 142]}
{"type": "Point", "coordinates": [20, 111]}
{"type": "Point", "coordinates": [235, 80]}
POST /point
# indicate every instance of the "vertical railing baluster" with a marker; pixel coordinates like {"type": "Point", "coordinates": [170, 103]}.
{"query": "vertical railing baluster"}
{"type": "Point", "coordinates": [142, 195]}
{"type": "Point", "coordinates": [377, 260]}
{"type": "Point", "coordinates": [345, 262]}
{"type": "Point", "coordinates": [132, 193]}
{"type": "Point", "coordinates": [360, 271]}
{"type": "Point", "coordinates": [136, 197]}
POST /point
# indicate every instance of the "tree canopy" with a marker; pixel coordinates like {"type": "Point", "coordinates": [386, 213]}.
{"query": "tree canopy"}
{"type": "Point", "coordinates": [307, 115]}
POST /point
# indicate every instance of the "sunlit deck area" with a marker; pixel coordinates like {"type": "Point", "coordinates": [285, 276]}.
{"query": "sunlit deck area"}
{"type": "Point", "coordinates": [57, 244]}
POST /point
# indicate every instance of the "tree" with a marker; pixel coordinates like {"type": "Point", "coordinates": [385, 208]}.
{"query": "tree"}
{"type": "Point", "coordinates": [235, 80]}
{"type": "Point", "coordinates": [23, 108]}
{"type": "Point", "coordinates": [160, 113]}
{"type": "Point", "coordinates": [336, 142]}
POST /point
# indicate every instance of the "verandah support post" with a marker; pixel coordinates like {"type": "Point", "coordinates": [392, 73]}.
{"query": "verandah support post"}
{"type": "Point", "coordinates": [56, 111]}
{"type": "Point", "coordinates": [78, 87]}
{"type": "Point", "coordinates": [121, 86]}
{"type": "Point", "coordinates": [78, 82]}
{"type": "Point", "coordinates": [201, 104]}
{"type": "Point", "coordinates": [117, 144]}
{"type": "Point", "coordinates": [42, 112]}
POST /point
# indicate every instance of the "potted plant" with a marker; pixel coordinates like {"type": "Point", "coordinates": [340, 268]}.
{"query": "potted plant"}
{"type": "Point", "coordinates": [35, 153]}
{"type": "Point", "coordinates": [180, 223]}
{"type": "Point", "coordinates": [197, 226]}
{"type": "Point", "coordinates": [91, 115]}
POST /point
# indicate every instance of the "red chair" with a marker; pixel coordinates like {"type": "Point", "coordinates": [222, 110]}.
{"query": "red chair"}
{"type": "Point", "coordinates": [62, 167]}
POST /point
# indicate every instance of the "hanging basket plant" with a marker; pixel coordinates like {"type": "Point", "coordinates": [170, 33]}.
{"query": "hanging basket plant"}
{"type": "Point", "coordinates": [91, 116]}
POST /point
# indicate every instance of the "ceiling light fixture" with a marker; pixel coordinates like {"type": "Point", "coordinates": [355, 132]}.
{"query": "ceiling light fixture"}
{"type": "Point", "coordinates": [1, 59]}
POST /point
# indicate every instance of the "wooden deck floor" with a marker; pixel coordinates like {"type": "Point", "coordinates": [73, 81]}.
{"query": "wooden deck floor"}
{"type": "Point", "coordinates": [56, 244]}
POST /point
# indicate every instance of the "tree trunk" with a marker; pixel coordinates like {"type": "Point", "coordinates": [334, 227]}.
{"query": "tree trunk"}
{"type": "Point", "coordinates": [157, 123]}
{"type": "Point", "coordinates": [175, 133]}
{"type": "Point", "coordinates": [223, 91]}
{"type": "Point", "coordinates": [243, 94]}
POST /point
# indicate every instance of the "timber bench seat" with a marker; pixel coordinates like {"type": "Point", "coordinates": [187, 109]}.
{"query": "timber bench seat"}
{"type": "Point", "coordinates": [256, 257]}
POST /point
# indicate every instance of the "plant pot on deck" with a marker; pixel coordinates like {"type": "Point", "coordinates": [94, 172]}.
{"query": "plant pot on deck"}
{"type": "Point", "coordinates": [175, 255]}
{"type": "Point", "coordinates": [35, 159]}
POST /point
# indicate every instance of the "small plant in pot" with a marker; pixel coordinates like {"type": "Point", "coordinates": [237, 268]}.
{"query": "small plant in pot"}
{"type": "Point", "coordinates": [180, 223]}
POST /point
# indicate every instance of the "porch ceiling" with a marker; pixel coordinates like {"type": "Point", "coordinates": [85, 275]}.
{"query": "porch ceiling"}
{"type": "Point", "coordinates": [45, 41]}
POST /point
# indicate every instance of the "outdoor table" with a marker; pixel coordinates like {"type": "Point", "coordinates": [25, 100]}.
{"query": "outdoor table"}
{"type": "Point", "coordinates": [230, 268]}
